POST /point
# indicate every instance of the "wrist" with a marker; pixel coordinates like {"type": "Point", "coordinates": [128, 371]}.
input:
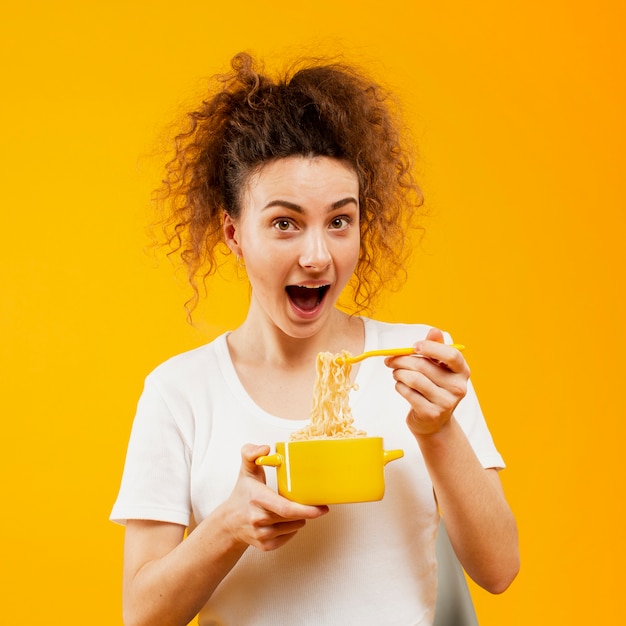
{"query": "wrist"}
{"type": "Point", "coordinates": [437, 436]}
{"type": "Point", "coordinates": [224, 530]}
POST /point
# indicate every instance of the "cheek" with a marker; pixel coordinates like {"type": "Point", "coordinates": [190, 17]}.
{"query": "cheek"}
{"type": "Point", "coordinates": [352, 259]}
{"type": "Point", "coordinates": [266, 267]}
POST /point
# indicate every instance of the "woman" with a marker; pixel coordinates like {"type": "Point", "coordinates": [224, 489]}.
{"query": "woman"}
{"type": "Point", "coordinates": [306, 181]}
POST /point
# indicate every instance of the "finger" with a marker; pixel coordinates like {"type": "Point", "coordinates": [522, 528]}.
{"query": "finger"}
{"type": "Point", "coordinates": [270, 535]}
{"type": "Point", "coordinates": [439, 375]}
{"type": "Point", "coordinates": [438, 385]}
{"type": "Point", "coordinates": [442, 355]}
{"type": "Point", "coordinates": [272, 543]}
{"type": "Point", "coordinates": [422, 411]}
{"type": "Point", "coordinates": [278, 534]}
{"type": "Point", "coordinates": [434, 334]}
{"type": "Point", "coordinates": [276, 529]}
{"type": "Point", "coordinates": [272, 506]}
{"type": "Point", "coordinates": [249, 454]}
{"type": "Point", "coordinates": [283, 509]}
{"type": "Point", "coordinates": [415, 383]}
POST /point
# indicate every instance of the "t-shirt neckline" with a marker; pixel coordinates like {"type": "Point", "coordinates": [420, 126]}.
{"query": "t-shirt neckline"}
{"type": "Point", "coordinates": [237, 388]}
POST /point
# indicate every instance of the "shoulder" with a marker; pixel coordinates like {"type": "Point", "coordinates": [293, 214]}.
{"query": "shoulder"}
{"type": "Point", "coordinates": [189, 368]}
{"type": "Point", "coordinates": [180, 388]}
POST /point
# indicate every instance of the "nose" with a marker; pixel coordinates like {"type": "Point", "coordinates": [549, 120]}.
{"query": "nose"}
{"type": "Point", "coordinates": [315, 254]}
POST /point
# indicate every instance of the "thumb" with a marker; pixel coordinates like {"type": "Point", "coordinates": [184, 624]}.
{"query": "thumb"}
{"type": "Point", "coordinates": [434, 334]}
{"type": "Point", "coordinates": [249, 454]}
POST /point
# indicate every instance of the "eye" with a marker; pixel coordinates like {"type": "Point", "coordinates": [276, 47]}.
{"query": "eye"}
{"type": "Point", "coordinates": [341, 222]}
{"type": "Point", "coordinates": [283, 225]}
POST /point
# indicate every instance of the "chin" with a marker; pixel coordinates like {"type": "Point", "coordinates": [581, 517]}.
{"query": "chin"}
{"type": "Point", "coordinates": [305, 328]}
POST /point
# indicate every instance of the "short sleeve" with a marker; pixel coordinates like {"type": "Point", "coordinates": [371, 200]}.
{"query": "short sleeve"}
{"type": "Point", "coordinates": [156, 479]}
{"type": "Point", "coordinates": [470, 417]}
{"type": "Point", "coordinates": [468, 413]}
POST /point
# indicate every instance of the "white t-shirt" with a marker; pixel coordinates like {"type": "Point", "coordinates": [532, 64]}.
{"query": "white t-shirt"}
{"type": "Point", "coordinates": [367, 563]}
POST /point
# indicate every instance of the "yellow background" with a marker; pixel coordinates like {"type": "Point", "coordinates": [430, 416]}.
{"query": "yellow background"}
{"type": "Point", "coordinates": [519, 115]}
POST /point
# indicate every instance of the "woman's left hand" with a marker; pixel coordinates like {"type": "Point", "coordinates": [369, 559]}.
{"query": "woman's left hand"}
{"type": "Point", "coordinates": [433, 382]}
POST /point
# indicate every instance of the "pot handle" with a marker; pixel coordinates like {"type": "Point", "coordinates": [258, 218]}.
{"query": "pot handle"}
{"type": "Point", "coordinates": [273, 460]}
{"type": "Point", "coordinates": [392, 455]}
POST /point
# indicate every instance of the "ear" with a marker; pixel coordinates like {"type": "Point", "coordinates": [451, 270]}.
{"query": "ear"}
{"type": "Point", "coordinates": [231, 234]}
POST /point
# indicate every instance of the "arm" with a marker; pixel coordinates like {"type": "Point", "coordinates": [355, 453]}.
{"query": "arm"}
{"type": "Point", "coordinates": [168, 580]}
{"type": "Point", "coordinates": [479, 521]}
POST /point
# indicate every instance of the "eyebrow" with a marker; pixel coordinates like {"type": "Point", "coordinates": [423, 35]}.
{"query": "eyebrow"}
{"type": "Point", "coordinates": [298, 209]}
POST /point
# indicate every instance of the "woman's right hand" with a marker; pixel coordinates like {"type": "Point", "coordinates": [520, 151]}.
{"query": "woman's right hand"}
{"type": "Point", "coordinates": [257, 515]}
{"type": "Point", "coordinates": [167, 580]}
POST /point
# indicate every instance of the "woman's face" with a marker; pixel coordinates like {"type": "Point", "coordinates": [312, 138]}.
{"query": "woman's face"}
{"type": "Point", "coordinates": [298, 234]}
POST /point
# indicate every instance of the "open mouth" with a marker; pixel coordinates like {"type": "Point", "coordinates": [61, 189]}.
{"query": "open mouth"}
{"type": "Point", "coordinates": [307, 298]}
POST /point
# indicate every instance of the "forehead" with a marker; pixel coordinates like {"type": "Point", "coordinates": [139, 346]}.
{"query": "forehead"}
{"type": "Point", "coordinates": [298, 176]}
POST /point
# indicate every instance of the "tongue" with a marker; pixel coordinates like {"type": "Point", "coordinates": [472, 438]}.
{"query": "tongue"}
{"type": "Point", "coordinates": [303, 297]}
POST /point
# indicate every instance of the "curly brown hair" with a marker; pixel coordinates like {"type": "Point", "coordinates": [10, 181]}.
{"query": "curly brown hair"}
{"type": "Point", "coordinates": [315, 108]}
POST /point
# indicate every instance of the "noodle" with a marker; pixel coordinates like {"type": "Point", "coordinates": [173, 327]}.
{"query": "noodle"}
{"type": "Point", "coordinates": [331, 416]}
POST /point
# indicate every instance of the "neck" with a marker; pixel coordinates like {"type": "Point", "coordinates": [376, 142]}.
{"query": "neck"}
{"type": "Point", "coordinates": [264, 342]}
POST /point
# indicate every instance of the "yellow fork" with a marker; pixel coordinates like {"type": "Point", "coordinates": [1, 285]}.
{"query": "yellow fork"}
{"type": "Point", "coordinates": [388, 352]}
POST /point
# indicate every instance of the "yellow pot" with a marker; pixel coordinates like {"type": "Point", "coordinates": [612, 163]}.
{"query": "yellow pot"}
{"type": "Point", "coordinates": [331, 471]}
